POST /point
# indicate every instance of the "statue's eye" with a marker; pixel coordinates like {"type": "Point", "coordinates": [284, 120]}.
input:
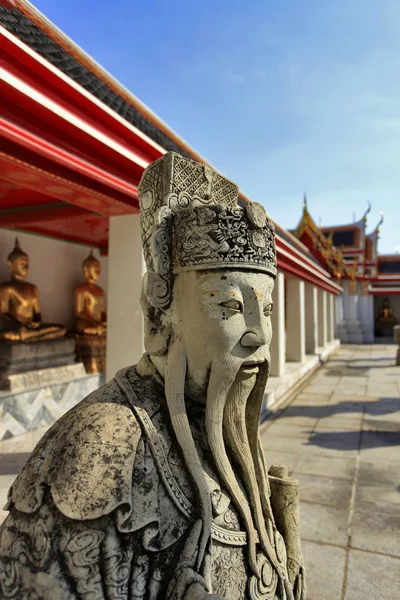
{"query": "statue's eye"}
{"type": "Point", "coordinates": [268, 310]}
{"type": "Point", "coordinates": [233, 305]}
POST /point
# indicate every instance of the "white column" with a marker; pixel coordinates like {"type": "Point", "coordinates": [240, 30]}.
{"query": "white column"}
{"type": "Point", "coordinates": [350, 310]}
{"type": "Point", "coordinates": [334, 309]}
{"type": "Point", "coordinates": [350, 302]}
{"type": "Point", "coordinates": [124, 315]}
{"type": "Point", "coordinates": [278, 343]}
{"type": "Point", "coordinates": [322, 318]}
{"type": "Point", "coordinates": [311, 314]}
{"type": "Point", "coordinates": [330, 318]}
{"type": "Point", "coordinates": [295, 321]}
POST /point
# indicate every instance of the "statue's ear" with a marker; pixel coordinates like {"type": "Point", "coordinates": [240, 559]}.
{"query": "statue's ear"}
{"type": "Point", "coordinates": [155, 298]}
{"type": "Point", "coordinates": [157, 289]}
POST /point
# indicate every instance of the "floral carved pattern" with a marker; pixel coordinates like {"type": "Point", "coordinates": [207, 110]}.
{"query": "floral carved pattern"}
{"type": "Point", "coordinates": [209, 236]}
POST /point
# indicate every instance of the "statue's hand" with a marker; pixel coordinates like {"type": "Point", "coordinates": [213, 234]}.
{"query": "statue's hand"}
{"type": "Point", "coordinates": [187, 584]}
{"type": "Point", "coordinates": [34, 325]}
{"type": "Point", "coordinates": [299, 585]}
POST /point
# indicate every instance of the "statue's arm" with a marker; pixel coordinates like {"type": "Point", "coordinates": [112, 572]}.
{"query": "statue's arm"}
{"type": "Point", "coordinates": [3, 300]}
{"type": "Point", "coordinates": [37, 317]}
{"type": "Point", "coordinates": [79, 307]}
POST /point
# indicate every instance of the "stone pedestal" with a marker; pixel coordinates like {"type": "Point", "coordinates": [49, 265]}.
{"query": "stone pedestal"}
{"type": "Point", "coordinates": [91, 350]}
{"type": "Point", "coordinates": [20, 357]}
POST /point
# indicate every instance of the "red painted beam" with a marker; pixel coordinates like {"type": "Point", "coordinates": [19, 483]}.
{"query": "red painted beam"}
{"type": "Point", "coordinates": [60, 187]}
{"type": "Point", "coordinates": [39, 145]}
{"type": "Point", "coordinates": [68, 104]}
{"type": "Point", "coordinates": [26, 217]}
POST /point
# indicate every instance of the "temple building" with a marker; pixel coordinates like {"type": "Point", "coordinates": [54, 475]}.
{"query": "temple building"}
{"type": "Point", "coordinates": [369, 306]}
{"type": "Point", "coordinates": [74, 145]}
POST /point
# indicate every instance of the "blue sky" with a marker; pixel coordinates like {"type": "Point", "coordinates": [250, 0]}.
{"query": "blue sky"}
{"type": "Point", "coordinates": [282, 96]}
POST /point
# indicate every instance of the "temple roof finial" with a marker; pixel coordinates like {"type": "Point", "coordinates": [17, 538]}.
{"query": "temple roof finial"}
{"type": "Point", "coordinates": [380, 221]}
{"type": "Point", "coordinates": [305, 200]}
{"type": "Point", "coordinates": [367, 211]}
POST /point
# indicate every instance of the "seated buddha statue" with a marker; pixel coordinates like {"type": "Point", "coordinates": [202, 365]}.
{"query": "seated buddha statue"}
{"type": "Point", "coordinates": [20, 318]}
{"type": "Point", "coordinates": [386, 320]}
{"type": "Point", "coordinates": [89, 301]}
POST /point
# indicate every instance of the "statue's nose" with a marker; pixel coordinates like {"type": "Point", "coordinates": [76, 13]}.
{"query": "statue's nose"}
{"type": "Point", "coordinates": [252, 339]}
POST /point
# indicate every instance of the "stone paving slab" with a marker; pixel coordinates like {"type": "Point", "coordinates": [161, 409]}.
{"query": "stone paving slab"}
{"type": "Point", "coordinates": [346, 434]}
{"type": "Point", "coordinates": [337, 467]}
{"type": "Point", "coordinates": [325, 567]}
{"type": "Point", "coordinates": [371, 576]}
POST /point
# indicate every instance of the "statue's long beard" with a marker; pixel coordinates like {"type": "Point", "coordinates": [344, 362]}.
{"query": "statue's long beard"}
{"type": "Point", "coordinates": [233, 407]}
{"type": "Point", "coordinates": [232, 425]}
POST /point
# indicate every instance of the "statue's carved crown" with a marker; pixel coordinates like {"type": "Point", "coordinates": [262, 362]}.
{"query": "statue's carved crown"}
{"type": "Point", "coordinates": [190, 219]}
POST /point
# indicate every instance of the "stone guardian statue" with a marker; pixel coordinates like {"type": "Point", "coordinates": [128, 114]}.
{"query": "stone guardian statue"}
{"type": "Point", "coordinates": [155, 486]}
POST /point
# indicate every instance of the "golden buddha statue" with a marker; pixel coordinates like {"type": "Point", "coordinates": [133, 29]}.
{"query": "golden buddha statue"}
{"type": "Point", "coordinates": [89, 301]}
{"type": "Point", "coordinates": [386, 320]}
{"type": "Point", "coordinates": [20, 318]}
{"type": "Point", "coordinates": [91, 323]}
{"type": "Point", "coordinates": [386, 311]}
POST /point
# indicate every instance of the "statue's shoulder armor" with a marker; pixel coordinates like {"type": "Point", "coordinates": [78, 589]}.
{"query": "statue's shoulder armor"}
{"type": "Point", "coordinates": [86, 459]}
{"type": "Point", "coordinates": [108, 454]}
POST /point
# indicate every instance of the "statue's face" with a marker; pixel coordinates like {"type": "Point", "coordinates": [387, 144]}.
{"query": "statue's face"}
{"type": "Point", "coordinates": [92, 271]}
{"type": "Point", "coordinates": [220, 313]}
{"type": "Point", "coordinates": [19, 266]}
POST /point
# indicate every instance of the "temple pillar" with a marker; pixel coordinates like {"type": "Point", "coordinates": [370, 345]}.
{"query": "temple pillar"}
{"type": "Point", "coordinates": [278, 342]}
{"type": "Point", "coordinates": [350, 312]}
{"type": "Point", "coordinates": [311, 318]}
{"type": "Point", "coordinates": [366, 313]}
{"type": "Point", "coordinates": [340, 328]}
{"type": "Point", "coordinates": [330, 309]}
{"type": "Point", "coordinates": [295, 321]}
{"type": "Point", "coordinates": [126, 268]}
{"type": "Point", "coordinates": [322, 318]}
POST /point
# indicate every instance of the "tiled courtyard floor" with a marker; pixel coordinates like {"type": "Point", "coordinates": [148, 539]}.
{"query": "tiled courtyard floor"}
{"type": "Point", "coordinates": [341, 438]}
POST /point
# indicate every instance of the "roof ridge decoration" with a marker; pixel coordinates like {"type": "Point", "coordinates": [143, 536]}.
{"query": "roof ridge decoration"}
{"type": "Point", "coordinates": [323, 244]}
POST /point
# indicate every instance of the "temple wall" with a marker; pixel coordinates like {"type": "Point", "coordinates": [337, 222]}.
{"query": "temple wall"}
{"type": "Point", "coordinates": [55, 267]}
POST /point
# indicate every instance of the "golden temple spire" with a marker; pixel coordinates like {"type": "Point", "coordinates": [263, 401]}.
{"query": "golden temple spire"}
{"type": "Point", "coordinates": [305, 200]}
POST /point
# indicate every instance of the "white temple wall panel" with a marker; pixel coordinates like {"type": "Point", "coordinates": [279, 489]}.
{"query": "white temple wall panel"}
{"type": "Point", "coordinates": [124, 314]}
{"type": "Point", "coordinates": [278, 343]}
{"type": "Point", "coordinates": [55, 267]}
{"type": "Point", "coordinates": [295, 321]}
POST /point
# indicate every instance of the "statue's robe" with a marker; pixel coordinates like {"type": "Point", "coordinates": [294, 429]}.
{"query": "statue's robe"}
{"type": "Point", "coordinates": [101, 508]}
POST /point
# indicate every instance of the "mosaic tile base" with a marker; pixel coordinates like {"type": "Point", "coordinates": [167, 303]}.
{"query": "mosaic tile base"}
{"type": "Point", "coordinates": [28, 410]}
